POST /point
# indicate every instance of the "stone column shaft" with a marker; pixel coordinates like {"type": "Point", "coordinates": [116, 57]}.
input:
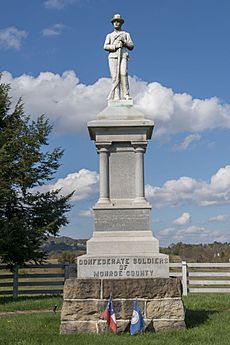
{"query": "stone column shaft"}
{"type": "Point", "coordinates": [140, 192]}
{"type": "Point", "coordinates": [104, 174]}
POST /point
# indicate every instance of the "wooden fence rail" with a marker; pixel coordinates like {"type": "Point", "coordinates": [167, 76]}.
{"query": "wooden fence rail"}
{"type": "Point", "coordinates": [35, 279]}
{"type": "Point", "coordinates": [202, 277]}
{"type": "Point", "coordinates": [50, 278]}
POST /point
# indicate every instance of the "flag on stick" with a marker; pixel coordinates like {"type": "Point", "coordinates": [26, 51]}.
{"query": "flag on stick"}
{"type": "Point", "coordinates": [137, 322]}
{"type": "Point", "coordinates": [109, 315]}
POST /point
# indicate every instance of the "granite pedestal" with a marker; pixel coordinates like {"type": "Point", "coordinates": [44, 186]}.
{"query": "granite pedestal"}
{"type": "Point", "coordinates": [122, 256]}
{"type": "Point", "coordinates": [122, 244]}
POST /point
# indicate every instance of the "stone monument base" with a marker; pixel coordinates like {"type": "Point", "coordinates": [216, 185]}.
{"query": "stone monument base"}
{"type": "Point", "coordinates": [85, 300]}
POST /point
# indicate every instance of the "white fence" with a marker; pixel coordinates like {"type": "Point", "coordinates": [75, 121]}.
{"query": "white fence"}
{"type": "Point", "coordinates": [49, 278]}
{"type": "Point", "coordinates": [202, 277]}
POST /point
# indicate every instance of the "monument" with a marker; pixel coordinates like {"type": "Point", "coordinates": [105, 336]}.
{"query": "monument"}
{"type": "Point", "coordinates": [122, 256]}
{"type": "Point", "coordinates": [122, 244]}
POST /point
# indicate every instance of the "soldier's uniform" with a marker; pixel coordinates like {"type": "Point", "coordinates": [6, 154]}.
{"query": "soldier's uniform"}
{"type": "Point", "coordinates": [121, 90]}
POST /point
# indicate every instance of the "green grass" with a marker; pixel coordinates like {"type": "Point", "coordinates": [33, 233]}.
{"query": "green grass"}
{"type": "Point", "coordinates": [207, 318]}
{"type": "Point", "coordinates": [30, 303]}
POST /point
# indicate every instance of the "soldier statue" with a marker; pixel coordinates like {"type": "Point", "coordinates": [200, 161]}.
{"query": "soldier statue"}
{"type": "Point", "coordinates": [117, 43]}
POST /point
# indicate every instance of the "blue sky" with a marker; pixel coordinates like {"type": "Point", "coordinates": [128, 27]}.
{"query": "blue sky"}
{"type": "Point", "coordinates": [52, 54]}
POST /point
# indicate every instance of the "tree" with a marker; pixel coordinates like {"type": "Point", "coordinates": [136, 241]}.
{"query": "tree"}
{"type": "Point", "coordinates": [67, 256]}
{"type": "Point", "coordinates": [28, 216]}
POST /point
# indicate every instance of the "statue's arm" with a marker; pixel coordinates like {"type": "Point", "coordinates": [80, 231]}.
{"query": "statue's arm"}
{"type": "Point", "coordinates": [128, 43]}
{"type": "Point", "coordinates": [108, 46]}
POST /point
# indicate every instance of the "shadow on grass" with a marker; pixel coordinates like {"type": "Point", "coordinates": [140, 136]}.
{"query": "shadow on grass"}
{"type": "Point", "coordinates": [195, 318]}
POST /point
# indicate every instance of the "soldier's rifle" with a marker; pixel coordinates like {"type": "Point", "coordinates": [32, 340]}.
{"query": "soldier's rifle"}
{"type": "Point", "coordinates": [117, 72]}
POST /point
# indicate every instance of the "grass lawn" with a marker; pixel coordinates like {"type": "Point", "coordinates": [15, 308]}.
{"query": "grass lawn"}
{"type": "Point", "coordinates": [30, 303]}
{"type": "Point", "coordinates": [207, 318]}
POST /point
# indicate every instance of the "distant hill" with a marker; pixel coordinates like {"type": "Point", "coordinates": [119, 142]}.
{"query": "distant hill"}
{"type": "Point", "coordinates": [57, 245]}
{"type": "Point", "coordinates": [214, 252]}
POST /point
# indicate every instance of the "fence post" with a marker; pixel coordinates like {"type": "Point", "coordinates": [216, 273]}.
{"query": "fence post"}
{"type": "Point", "coordinates": [184, 278]}
{"type": "Point", "coordinates": [15, 282]}
{"type": "Point", "coordinates": [66, 270]}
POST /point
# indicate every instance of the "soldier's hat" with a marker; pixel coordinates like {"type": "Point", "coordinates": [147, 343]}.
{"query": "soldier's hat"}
{"type": "Point", "coordinates": [118, 18]}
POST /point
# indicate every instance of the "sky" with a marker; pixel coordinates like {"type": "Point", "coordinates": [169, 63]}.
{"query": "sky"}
{"type": "Point", "coordinates": [52, 55]}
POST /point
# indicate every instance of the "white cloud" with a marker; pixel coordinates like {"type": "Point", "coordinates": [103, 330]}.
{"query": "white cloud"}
{"type": "Point", "coordinates": [183, 219]}
{"type": "Point", "coordinates": [84, 183]}
{"type": "Point", "coordinates": [222, 238]}
{"type": "Point", "coordinates": [219, 218]}
{"type": "Point", "coordinates": [167, 232]}
{"type": "Point", "coordinates": [187, 142]}
{"type": "Point", "coordinates": [58, 4]}
{"type": "Point", "coordinates": [189, 190]}
{"type": "Point", "coordinates": [193, 229]}
{"type": "Point", "coordinates": [70, 104]}
{"type": "Point", "coordinates": [86, 213]}
{"type": "Point", "coordinates": [11, 37]}
{"type": "Point", "coordinates": [156, 221]}
{"type": "Point", "coordinates": [191, 234]}
{"type": "Point", "coordinates": [174, 112]}
{"type": "Point", "coordinates": [54, 30]}
{"type": "Point", "coordinates": [172, 193]}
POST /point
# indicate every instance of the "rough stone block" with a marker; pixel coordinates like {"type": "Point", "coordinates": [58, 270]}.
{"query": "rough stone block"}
{"type": "Point", "coordinates": [82, 288]}
{"type": "Point", "coordinates": [142, 288]}
{"type": "Point", "coordinates": [127, 309]}
{"type": "Point", "coordinates": [165, 309]}
{"type": "Point", "coordinates": [78, 327]}
{"type": "Point", "coordinates": [163, 325]}
{"type": "Point", "coordinates": [81, 310]}
{"type": "Point", "coordinates": [117, 307]}
{"type": "Point", "coordinates": [122, 326]}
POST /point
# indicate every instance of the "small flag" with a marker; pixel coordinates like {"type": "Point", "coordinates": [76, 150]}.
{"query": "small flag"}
{"type": "Point", "coordinates": [137, 322]}
{"type": "Point", "coordinates": [109, 315]}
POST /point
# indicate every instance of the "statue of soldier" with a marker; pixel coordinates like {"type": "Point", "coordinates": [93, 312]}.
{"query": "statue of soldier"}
{"type": "Point", "coordinates": [117, 43]}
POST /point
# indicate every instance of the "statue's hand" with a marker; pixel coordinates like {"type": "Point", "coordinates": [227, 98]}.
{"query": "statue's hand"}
{"type": "Point", "coordinates": [119, 45]}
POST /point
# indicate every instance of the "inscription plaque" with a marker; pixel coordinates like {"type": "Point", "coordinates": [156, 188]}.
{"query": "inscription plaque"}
{"type": "Point", "coordinates": [123, 267]}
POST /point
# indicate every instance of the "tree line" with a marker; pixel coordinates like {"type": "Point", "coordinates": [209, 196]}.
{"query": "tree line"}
{"type": "Point", "coordinates": [213, 252]}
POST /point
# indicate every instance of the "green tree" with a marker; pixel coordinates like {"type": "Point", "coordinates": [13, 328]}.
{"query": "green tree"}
{"type": "Point", "coordinates": [27, 216]}
{"type": "Point", "coordinates": [67, 256]}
